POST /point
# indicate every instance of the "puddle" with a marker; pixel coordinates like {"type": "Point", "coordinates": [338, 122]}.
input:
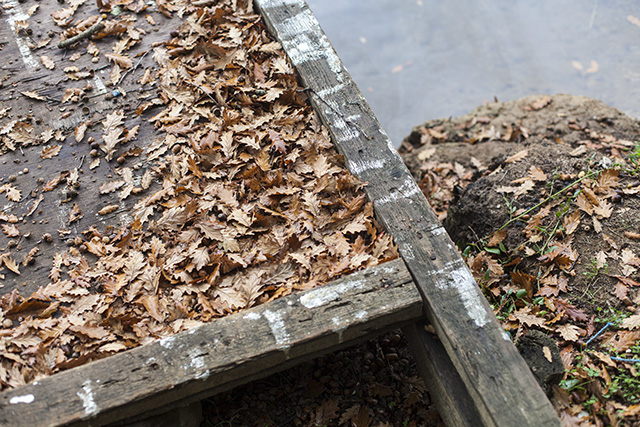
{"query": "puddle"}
{"type": "Point", "coordinates": [421, 59]}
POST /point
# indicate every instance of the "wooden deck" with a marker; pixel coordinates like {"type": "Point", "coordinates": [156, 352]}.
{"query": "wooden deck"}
{"type": "Point", "coordinates": [475, 372]}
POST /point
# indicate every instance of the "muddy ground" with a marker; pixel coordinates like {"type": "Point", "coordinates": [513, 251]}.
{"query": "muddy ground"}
{"type": "Point", "coordinates": [541, 197]}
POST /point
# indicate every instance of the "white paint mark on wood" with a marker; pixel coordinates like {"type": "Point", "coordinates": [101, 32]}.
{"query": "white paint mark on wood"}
{"type": "Point", "coordinates": [328, 293]}
{"type": "Point", "coordinates": [88, 402]}
{"type": "Point", "coordinates": [27, 398]}
{"type": "Point", "coordinates": [329, 91]}
{"type": "Point", "coordinates": [251, 316]}
{"type": "Point", "coordinates": [366, 165]}
{"type": "Point", "coordinates": [102, 89]}
{"type": "Point", "coordinates": [455, 275]}
{"type": "Point", "coordinates": [15, 13]}
{"type": "Point", "coordinates": [298, 43]}
{"type": "Point", "coordinates": [278, 328]}
{"type": "Point", "coordinates": [167, 342]}
{"type": "Point", "coordinates": [198, 364]}
{"type": "Point", "coordinates": [339, 327]}
{"type": "Point", "coordinates": [439, 231]}
{"type": "Point", "coordinates": [408, 189]}
{"type": "Point", "coordinates": [361, 315]}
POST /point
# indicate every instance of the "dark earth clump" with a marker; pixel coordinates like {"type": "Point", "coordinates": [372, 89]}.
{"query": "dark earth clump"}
{"type": "Point", "coordinates": [541, 195]}
{"type": "Point", "coordinates": [543, 357]}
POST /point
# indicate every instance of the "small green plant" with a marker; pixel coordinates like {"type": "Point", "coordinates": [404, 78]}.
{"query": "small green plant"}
{"type": "Point", "coordinates": [593, 269]}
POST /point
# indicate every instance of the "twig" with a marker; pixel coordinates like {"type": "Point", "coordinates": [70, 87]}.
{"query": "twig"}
{"type": "Point", "coordinates": [589, 175]}
{"type": "Point", "coordinates": [132, 69]}
{"type": "Point", "coordinates": [98, 26]}
{"type": "Point", "coordinates": [202, 2]}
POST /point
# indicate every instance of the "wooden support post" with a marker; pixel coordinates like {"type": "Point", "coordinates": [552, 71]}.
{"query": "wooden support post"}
{"type": "Point", "coordinates": [499, 382]}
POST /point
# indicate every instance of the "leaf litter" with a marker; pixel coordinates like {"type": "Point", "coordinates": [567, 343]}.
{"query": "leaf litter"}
{"type": "Point", "coordinates": [548, 222]}
{"type": "Point", "coordinates": [244, 199]}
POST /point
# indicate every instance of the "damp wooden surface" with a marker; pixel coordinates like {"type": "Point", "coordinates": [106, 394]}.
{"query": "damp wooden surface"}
{"type": "Point", "coordinates": [21, 70]}
{"type": "Point", "coordinates": [500, 384]}
{"type": "Point", "coordinates": [217, 356]}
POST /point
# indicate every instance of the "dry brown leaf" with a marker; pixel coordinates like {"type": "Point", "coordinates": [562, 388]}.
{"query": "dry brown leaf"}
{"type": "Point", "coordinates": [80, 131]}
{"type": "Point", "coordinates": [571, 222]}
{"type": "Point", "coordinates": [568, 332]}
{"type": "Point", "coordinates": [631, 322]}
{"type": "Point", "coordinates": [517, 156]}
{"type": "Point", "coordinates": [108, 209]}
{"type": "Point", "coordinates": [620, 291]}
{"type": "Point", "coordinates": [525, 317]}
{"type": "Point", "coordinates": [33, 95]}
{"type": "Point", "coordinates": [537, 174]}
{"type": "Point", "coordinates": [632, 235]}
{"type": "Point", "coordinates": [497, 238]}
{"type": "Point", "coordinates": [63, 17]}
{"type": "Point", "coordinates": [47, 62]}
{"type": "Point", "coordinates": [51, 151]}
{"type": "Point", "coordinates": [10, 263]}
{"type": "Point", "coordinates": [75, 214]}
{"type": "Point", "coordinates": [12, 193]}
{"type": "Point", "coordinates": [121, 60]}
{"type": "Point", "coordinates": [540, 103]}
{"type": "Point", "coordinates": [10, 230]}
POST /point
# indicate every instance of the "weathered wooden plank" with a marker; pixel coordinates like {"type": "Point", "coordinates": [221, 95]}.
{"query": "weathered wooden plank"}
{"type": "Point", "coordinates": [220, 355]}
{"type": "Point", "coordinates": [500, 383]}
{"type": "Point", "coordinates": [446, 388]}
{"type": "Point", "coordinates": [21, 70]}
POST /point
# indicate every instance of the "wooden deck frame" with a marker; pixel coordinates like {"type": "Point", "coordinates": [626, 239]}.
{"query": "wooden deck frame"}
{"type": "Point", "coordinates": [499, 383]}
{"type": "Point", "coordinates": [475, 372]}
{"type": "Point", "coordinates": [220, 355]}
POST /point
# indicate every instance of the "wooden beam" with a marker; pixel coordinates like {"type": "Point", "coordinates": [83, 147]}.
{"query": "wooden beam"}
{"type": "Point", "coordinates": [447, 390]}
{"type": "Point", "coordinates": [498, 380]}
{"type": "Point", "coordinates": [219, 355]}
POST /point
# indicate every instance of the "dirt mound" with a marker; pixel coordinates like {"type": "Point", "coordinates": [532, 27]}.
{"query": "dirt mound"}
{"type": "Point", "coordinates": [541, 195]}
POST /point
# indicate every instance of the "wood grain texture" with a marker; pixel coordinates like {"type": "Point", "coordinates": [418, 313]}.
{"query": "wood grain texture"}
{"type": "Point", "coordinates": [220, 355]}
{"type": "Point", "coordinates": [445, 386]}
{"type": "Point", "coordinates": [20, 71]}
{"type": "Point", "coordinates": [499, 382]}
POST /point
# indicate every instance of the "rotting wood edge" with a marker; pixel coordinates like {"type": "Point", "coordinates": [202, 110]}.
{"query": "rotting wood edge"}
{"type": "Point", "coordinates": [500, 384]}
{"type": "Point", "coordinates": [217, 356]}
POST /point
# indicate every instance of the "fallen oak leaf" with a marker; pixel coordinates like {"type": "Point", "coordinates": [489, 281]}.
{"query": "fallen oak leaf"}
{"type": "Point", "coordinates": [10, 230]}
{"type": "Point", "coordinates": [80, 131]}
{"type": "Point", "coordinates": [122, 60]}
{"type": "Point", "coordinates": [632, 235]}
{"type": "Point", "coordinates": [517, 156]}
{"type": "Point", "coordinates": [51, 151]}
{"type": "Point", "coordinates": [631, 322]}
{"type": "Point", "coordinates": [570, 310]}
{"type": "Point", "coordinates": [108, 209]}
{"type": "Point", "coordinates": [75, 214]}
{"type": "Point", "coordinates": [626, 280]}
{"type": "Point", "coordinates": [12, 193]}
{"type": "Point", "coordinates": [569, 332]}
{"type": "Point", "coordinates": [620, 291]}
{"type": "Point", "coordinates": [110, 186]}
{"type": "Point", "coordinates": [33, 95]}
{"type": "Point", "coordinates": [47, 62]}
{"type": "Point", "coordinates": [9, 263]}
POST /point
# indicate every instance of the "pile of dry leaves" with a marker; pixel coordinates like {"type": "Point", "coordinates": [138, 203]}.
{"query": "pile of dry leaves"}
{"type": "Point", "coordinates": [242, 198]}
{"type": "Point", "coordinates": [541, 194]}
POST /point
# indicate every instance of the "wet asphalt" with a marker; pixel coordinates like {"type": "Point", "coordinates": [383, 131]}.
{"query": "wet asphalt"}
{"type": "Point", "coordinates": [423, 59]}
